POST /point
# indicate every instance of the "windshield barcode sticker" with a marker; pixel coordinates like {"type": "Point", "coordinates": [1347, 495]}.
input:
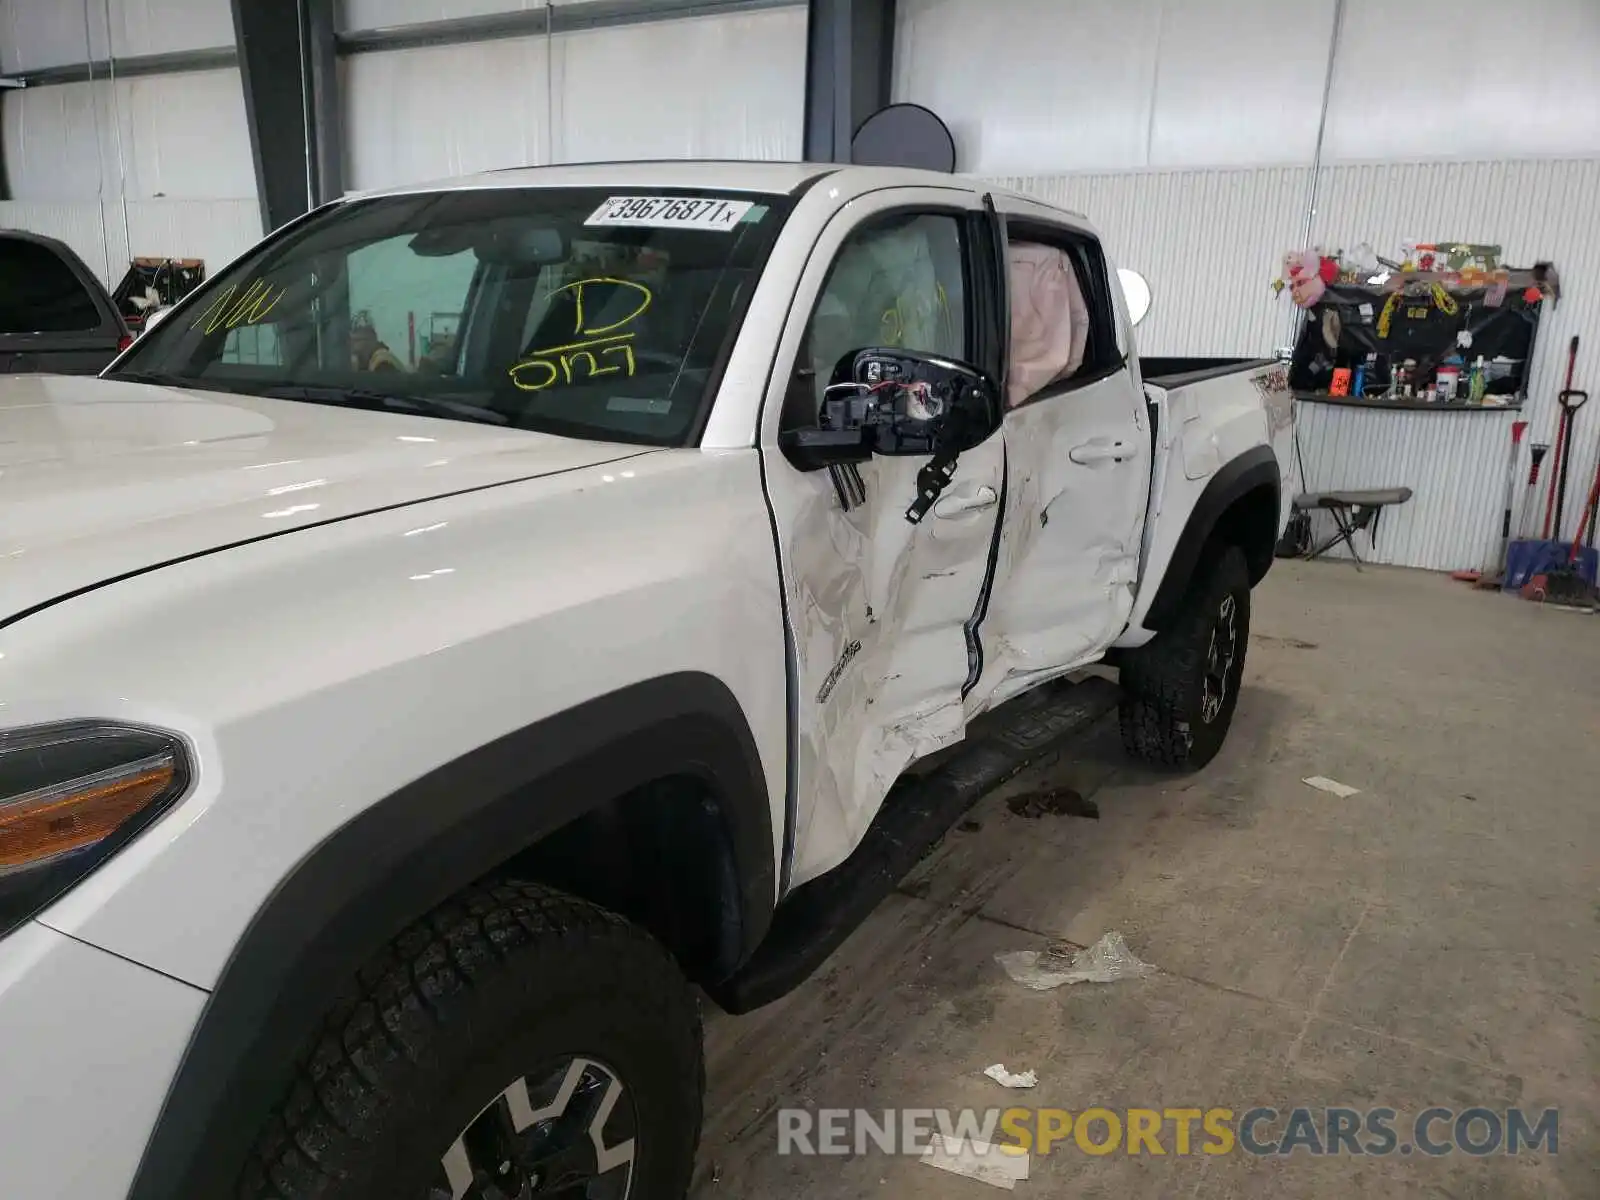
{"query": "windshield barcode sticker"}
{"type": "Point", "coordinates": [671, 212]}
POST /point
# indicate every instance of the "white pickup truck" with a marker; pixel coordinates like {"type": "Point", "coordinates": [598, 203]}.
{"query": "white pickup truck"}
{"type": "Point", "coordinates": [486, 608]}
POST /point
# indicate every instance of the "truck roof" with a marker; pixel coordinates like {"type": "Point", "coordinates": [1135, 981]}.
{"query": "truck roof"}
{"type": "Point", "coordinates": [733, 175]}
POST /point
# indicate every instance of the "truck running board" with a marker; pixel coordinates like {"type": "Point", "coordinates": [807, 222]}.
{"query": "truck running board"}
{"type": "Point", "coordinates": [818, 916]}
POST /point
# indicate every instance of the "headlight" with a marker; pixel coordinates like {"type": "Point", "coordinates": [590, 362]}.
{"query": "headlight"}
{"type": "Point", "coordinates": [70, 796]}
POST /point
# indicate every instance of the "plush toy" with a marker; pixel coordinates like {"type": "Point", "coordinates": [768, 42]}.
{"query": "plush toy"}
{"type": "Point", "coordinates": [1304, 273]}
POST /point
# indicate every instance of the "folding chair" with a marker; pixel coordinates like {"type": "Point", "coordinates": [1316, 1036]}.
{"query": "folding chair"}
{"type": "Point", "coordinates": [1352, 512]}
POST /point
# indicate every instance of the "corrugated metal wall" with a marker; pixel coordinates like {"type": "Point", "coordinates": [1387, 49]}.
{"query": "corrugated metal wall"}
{"type": "Point", "coordinates": [1210, 242]}
{"type": "Point", "coordinates": [1127, 111]}
{"type": "Point", "coordinates": [1454, 462]}
{"type": "Point", "coordinates": [1535, 210]}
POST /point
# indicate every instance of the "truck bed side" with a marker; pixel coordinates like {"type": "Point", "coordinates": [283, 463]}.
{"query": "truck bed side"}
{"type": "Point", "coordinates": [1214, 425]}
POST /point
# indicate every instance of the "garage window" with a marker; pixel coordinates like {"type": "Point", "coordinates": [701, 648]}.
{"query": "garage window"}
{"type": "Point", "coordinates": [39, 293]}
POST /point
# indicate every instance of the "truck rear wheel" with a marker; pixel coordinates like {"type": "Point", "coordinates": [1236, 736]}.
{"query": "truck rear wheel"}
{"type": "Point", "coordinates": [514, 1043]}
{"type": "Point", "coordinates": [1179, 691]}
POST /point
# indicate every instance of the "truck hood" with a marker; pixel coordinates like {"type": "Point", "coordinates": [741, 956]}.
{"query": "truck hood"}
{"type": "Point", "coordinates": [100, 478]}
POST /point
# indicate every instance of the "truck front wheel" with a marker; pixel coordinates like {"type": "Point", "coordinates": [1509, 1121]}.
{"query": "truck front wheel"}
{"type": "Point", "coordinates": [1179, 690]}
{"type": "Point", "coordinates": [514, 1043]}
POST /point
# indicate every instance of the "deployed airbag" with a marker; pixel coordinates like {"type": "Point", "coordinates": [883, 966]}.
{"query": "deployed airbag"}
{"type": "Point", "coordinates": [1049, 319]}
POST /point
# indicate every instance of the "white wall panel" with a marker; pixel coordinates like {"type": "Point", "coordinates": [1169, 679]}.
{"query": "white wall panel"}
{"type": "Point", "coordinates": [180, 136]}
{"type": "Point", "coordinates": [49, 33]}
{"type": "Point", "coordinates": [414, 115]}
{"type": "Point", "coordinates": [1117, 84]}
{"type": "Point", "coordinates": [705, 87]}
{"type": "Point", "coordinates": [1095, 85]}
{"type": "Point", "coordinates": [728, 86]}
{"type": "Point", "coordinates": [1528, 85]}
{"type": "Point", "coordinates": [1239, 82]}
{"type": "Point", "coordinates": [55, 141]}
{"type": "Point", "coordinates": [1033, 85]}
{"type": "Point", "coordinates": [215, 230]}
{"type": "Point", "coordinates": [1208, 242]}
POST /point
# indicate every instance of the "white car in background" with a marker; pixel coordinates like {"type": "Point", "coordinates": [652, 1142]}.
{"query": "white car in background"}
{"type": "Point", "coordinates": [486, 608]}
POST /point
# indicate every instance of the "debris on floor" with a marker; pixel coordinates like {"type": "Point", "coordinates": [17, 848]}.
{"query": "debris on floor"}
{"type": "Point", "coordinates": [977, 1159]}
{"type": "Point", "coordinates": [1053, 802]}
{"type": "Point", "coordinates": [1005, 1078]}
{"type": "Point", "coordinates": [1323, 784]}
{"type": "Point", "coordinates": [1107, 961]}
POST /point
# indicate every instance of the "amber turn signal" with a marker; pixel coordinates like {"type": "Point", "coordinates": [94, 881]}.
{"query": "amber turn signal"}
{"type": "Point", "coordinates": [56, 820]}
{"type": "Point", "coordinates": [71, 795]}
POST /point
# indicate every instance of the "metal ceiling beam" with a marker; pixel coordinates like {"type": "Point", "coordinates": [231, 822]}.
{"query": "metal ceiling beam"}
{"type": "Point", "coordinates": [849, 71]}
{"type": "Point", "coordinates": [174, 63]}
{"type": "Point", "coordinates": [535, 22]}
{"type": "Point", "coordinates": [291, 100]}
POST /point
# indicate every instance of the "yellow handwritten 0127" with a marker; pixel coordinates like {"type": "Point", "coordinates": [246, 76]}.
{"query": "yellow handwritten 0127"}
{"type": "Point", "coordinates": [911, 309]}
{"type": "Point", "coordinates": [231, 308]}
{"type": "Point", "coordinates": [554, 364]}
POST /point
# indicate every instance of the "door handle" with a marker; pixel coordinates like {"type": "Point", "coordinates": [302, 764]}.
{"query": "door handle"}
{"type": "Point", "coordinates": [966, 502]}
{"type": "Point", "coordinates": [1099, 451]}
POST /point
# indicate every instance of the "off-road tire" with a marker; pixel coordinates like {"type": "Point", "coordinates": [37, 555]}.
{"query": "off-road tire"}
{"type": "Point", "coordinates": [482, 990]}
{"type": "Point", "coordinates": [1163, 682]}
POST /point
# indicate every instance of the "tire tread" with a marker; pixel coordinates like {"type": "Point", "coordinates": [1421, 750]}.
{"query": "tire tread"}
{"type": "Point", "coordinates": [358, 1063]}
{"type": "Point", "coordinates": [1158, 678]}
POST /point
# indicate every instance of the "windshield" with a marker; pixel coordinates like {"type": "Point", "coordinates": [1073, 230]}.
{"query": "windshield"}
{"type": "Point", "coordinates": [573, 311]}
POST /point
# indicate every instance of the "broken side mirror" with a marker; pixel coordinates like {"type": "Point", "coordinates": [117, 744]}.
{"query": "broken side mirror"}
{"type": "Point", "coordinates": [900, 402]}
{"type": "Point", "coordinates": [813, 449]}
{"type": "Point", "coordinates": [920, 403]}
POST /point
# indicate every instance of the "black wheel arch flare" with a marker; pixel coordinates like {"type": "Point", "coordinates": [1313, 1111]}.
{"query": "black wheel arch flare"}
{"type": "Point", "coordinates": [404, 855]}
{"type": "Point", "coordinates": [1253, 471]}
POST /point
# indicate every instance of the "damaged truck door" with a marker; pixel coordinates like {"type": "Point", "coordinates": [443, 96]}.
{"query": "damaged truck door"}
{"type": "Point", "coordinates": [1078, 444]}
{"type": "Point", "coordinates": [886, 549]}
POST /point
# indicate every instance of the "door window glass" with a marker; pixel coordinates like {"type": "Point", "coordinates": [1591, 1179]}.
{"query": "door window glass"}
{"type": "Point", "coordinates": [899, 281]}
{"type": "Point", "coordinates": [39, 293]}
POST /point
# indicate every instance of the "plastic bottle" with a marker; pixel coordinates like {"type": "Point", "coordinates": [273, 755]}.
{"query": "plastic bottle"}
{"type": "Point", "coordinates": [1448, 379]}
{"type": "Point", "coordinates": [1478, 383]}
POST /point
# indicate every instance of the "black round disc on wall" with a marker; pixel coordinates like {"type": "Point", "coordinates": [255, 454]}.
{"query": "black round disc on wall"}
{"type": "Point", "coordinates": [904, 135]}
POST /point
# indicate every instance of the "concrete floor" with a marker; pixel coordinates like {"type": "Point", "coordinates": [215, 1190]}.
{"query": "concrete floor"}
{"type": "Point", "coordinates": [1434, 940]}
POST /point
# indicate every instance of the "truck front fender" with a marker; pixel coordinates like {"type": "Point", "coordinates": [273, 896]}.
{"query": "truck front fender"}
{"type": "Point", "coordinates": [402, 856]}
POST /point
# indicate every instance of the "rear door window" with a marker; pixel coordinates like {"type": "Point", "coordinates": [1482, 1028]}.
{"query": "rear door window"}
{"type": "Point", "coordinates": [40, 293]}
